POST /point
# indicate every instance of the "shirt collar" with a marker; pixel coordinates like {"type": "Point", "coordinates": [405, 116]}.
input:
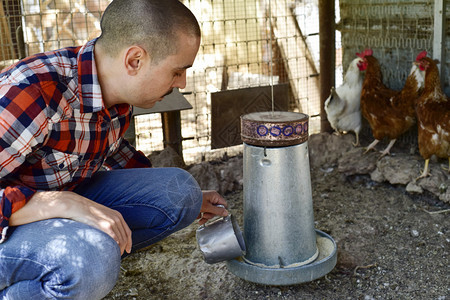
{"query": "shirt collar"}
{"type": "Point", "coordinates": [91, 94]}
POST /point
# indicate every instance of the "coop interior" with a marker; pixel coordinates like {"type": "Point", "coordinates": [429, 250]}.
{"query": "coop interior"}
{"type": "Point", "coordinates": [249, 48]}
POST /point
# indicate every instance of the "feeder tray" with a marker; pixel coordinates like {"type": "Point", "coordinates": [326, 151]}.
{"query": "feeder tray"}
{"type": "Point", "coordinates": [323, 264]}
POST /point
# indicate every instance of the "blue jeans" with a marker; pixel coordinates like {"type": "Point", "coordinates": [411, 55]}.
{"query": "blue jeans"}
{"type": "Point", "coordinates": [64, 259]}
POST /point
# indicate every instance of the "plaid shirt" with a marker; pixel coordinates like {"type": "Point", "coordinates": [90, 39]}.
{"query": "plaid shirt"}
{"type": "Point", "coordinates": [54, 129]}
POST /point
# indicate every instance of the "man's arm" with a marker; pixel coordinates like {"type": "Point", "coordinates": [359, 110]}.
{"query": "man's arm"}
{"type": "Point", "coordinates": [69, 205]}
{"type": "Point", "coordinates": [23, 127]}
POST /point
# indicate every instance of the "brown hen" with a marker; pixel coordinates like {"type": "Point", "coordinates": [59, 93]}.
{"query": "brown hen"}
{"type": "Point", "coordinates": [433, 115]}
{"type": "Point", "coordinates": [390, 113]}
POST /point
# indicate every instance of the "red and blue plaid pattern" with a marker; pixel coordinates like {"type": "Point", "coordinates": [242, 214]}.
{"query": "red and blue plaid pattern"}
{"type": "Point", "coordinates": [54, 129]}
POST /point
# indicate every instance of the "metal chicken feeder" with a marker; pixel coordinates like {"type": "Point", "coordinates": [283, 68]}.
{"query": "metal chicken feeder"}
{"type": "Point", "coordinates": [283, 248]}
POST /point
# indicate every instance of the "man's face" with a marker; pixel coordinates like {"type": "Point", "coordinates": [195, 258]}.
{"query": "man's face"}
{"type": "Point", "coordinates": [158, 79]}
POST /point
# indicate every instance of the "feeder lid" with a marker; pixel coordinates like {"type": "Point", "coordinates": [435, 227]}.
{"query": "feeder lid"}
{"type": "Point", "coordinates": [274, 128]}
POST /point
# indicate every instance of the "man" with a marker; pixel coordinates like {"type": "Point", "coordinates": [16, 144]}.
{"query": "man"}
{"type": "Point", "coordinates": [65, 221]}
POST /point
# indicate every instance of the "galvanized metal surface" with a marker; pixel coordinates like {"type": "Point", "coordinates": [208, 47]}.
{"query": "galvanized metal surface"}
{"type": "Point", "coordinates": [220, 240]}
{"type": "Point", "coordinates": [283, 247]}
{"type": "Point", "coordinates": [289, 276]}
{"type": "Point", "coordinates": [278, 212]}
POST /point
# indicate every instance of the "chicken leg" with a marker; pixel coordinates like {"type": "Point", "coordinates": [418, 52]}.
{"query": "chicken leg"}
{"type": "Point", "coordinates": [448, 166]}
{"type": "Point", "coordinates": [371, 146]}
{"type": "Point", "coordinates": [388, 148]}
{"type": "Point", "coordinates": [426, 170]}
{"type": "Point", "coordinates": [356, 143]}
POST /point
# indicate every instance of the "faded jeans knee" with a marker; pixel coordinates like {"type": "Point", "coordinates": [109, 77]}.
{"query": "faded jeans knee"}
{"type": "Point", "coordinates": [58, 259]}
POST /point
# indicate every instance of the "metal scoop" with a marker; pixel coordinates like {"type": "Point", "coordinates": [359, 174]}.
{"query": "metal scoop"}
{"type": "Point", "coordinates": [220, 240]}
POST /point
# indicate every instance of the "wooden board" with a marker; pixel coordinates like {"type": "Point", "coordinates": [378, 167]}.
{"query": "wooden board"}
{"type": "Point", "coordinates": [228, 106]}
{"type": "Point", "coordinates": [6, 47]}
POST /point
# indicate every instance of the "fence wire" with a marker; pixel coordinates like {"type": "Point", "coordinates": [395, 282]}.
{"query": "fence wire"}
{"type": "Point", "coordinates": [240, 41]}
{"type": "Point", "coordinates": [395, 30]}
{"type": "Point", "coordinates": [237, 52]}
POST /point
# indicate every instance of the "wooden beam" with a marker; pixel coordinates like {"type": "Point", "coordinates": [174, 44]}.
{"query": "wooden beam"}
{"type": "Point", "coordinates": [6, 46]}
{"type": "Point", "coordinates": [439, 35]}
{"type": "Point", "coordinates": [327, 57]}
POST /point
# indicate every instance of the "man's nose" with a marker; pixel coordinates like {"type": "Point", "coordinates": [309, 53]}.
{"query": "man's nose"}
{"type": "Point", "coordinates": [180, 82]}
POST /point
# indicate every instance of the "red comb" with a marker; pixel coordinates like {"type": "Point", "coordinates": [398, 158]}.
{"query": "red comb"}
{"type": "Point", "coordinates": [421, 55]}
{"type": "Point", "coordinates": [367, 52]}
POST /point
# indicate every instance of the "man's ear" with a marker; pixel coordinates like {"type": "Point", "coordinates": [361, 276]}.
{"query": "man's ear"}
{"type": "Point", "coordinates": [134, 57]}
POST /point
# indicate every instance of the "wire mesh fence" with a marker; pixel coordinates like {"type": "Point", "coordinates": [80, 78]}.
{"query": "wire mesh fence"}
{"type": "Point", "coordinates": [396, 31]}
{"type": "Point", "coordinates": [10, 32]}
{"type": "Point", "coordinates": [249, 43]}
{"type": "Point", "coordinates": [245, 43]}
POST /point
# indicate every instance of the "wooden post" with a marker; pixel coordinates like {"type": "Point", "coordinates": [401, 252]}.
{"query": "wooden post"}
{"type": "Point", "coordinates": [6, 46]}
{"type": "Point", "coordinates": [439, 36]}
{"type": "Point", "coordinates": [327, 57]}
{"type": "Point", "coordinates": [171, 122]}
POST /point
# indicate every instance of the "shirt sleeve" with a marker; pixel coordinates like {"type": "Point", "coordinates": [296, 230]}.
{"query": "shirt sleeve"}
{"type": "Point", "coordinates": [127, 157]}
{"type": "Point", "coordinates": [13, 198]}
{"type": "Point", "coordinates": [23, 126]}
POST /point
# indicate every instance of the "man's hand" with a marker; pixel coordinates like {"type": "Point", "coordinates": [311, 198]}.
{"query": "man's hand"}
{"type": "Point", "coordinates": [210, 208]}
{"type": "Point", "coordinates": [69, 205]}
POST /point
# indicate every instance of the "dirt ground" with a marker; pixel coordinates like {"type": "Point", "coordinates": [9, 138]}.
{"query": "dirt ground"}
{"type": "Point", "coordinates": [391, 245]}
